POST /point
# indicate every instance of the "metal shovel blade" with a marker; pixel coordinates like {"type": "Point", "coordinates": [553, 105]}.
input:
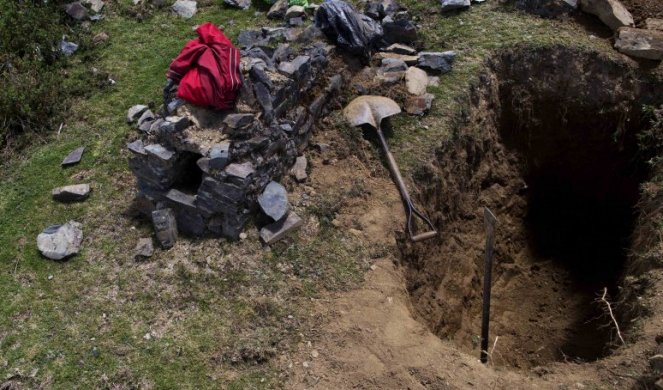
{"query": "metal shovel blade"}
{"type": "Point", "coordinates": [370, 110]}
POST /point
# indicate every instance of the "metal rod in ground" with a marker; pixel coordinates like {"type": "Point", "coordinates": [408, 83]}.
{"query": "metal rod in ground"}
{"type": "Point", "coordinates": [490, 221]}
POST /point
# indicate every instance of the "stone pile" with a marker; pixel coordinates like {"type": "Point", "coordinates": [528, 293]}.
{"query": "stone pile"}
{"type": "Point", "coordinates": [202, 172]}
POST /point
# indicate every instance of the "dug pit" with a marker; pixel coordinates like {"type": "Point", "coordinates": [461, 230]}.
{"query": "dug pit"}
{"type": "Point", "coordinates": [550, 142]}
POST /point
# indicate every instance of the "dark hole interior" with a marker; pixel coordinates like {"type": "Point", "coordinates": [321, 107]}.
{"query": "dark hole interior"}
{"type": "Point", "coordinates": [582, 173]}
{"type": "Point", "coordinates": [191, 176]}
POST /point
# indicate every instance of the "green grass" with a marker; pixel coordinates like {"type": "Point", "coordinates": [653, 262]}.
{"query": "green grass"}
{"type": "Point", "coordinates": [218, 310]}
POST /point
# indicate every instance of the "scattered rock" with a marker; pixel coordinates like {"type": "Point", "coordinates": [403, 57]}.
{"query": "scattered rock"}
{"type": "Point", "coordinates": [640, 43]}
{"type": "Point", "coordinates": [449, 5]}
{"type": "Point", "coordinates": [173, 124]}
{"type": "Point", "coordinates": [137, 147]}
{"type": "Point", "coordinates": [144, 249]}
{"type": "Point", "coordinates": [410, 60]}
{"type": "Point", "coordinates": [437, 61]}
{"type": "Point", "coordinates": [656, 363]}
{"type": "Point", "coordinates": [146, 116]}
{"type": "Point", "coordinates": [165, 227]}
{"type": "Point", "coordinates": [72, 193]}
{"type": "Point", "coordinates": [241, 4]}
{"type": "Point", "coordinates": [296, 11]}
{"type": "Point", "coordinates": [100, 38]}
{"type": "Point", "coordinates": [248, 38]}
{"type": "Point", "coordinates": [159, 152]}
{"type": "Point", "coordinates": [393, 65]}
{"type": "Point", "coordinates": [278, 230]}
{"type": "Point", "coordinates": [274, 201]}
{"type": "Point", "coordinates": [74, 157]}
{"type": "Point", "coordinates": [57, 242]}
{"type": "Point", "coordinates": [401, 49]}
{"type": "Point", "coordinates": [67, 48]}
{"type": "Point", "coordinates": [238, 121]}
{"type": "Point", "coordinates": [298, 170]}
{"type": "Point", "coordinates": [611, 12]}
{"type": "Point", "coordinates": [278, 10]}
{"type": "Point", "coordinates": [135, 112]}
{"type": "Point", "coordinates": [242, 170]}
{"type": "Point", "coordinates": [654, 24]}
{"type": "Point", "coordinates": [185, 8]}
{"type": "Point", "coordinates": [95, 5]}
{"type": "Point", "coordinates": [416, 80]}
{"type": "Point", "coordinates": [419, 105]}
{"type": "Point", "coordinates": [76, 10]}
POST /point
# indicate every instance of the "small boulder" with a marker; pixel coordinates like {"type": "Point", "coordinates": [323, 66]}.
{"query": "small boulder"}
{"type": "Point", "coordinates": [611, 12]}
{"type": "Point", "coordinates": [174, 124]}
{"type": "Point", "coordinates": [416, 81]}
{"type": "Point", "coordinates": [185, 8]}
{"type": "Point", "coordinates": [274, 201]}
{"type": "Point", "coordinates": [640, 43]}
{"type": "Point", "coordinates": [437, 61]}
{"type": "Point", "coordinates": [278, 10]}
{"type": "Point", "coordinates": [298, 170]}
{"type": "Point", "coordinates": [74, 157]}
{"type": "Point", "coordinates": [219, 155]}
{"type": "Point", "coordinates": [450, 5]}
{"type": "Point", "coordinates": [146, 116]}
{"type": "Point", "coordinates": [58, 242]}
{"type": "Point", "coordinates": [393, 65]}
{"type": "Point", "coordinates": [76, 10]}
{"type": "Point", "coordinates": [95, 5]}
{"type": "Point", "coordinates": [238, 121]}
{"type": "Point", "coordinates": [295, 11]}
{"type": "Point", "coordinates": [144, 249]}
{"type": "Point", "coordinates": [72, 193]}
{"type": "Point", "coordinates": [278, 230]}
{"type": "Point", "coordinates": [399, 48]}
{"type": "Point", "coordinates": [241, 4]}
{"type": "Point", "coordinates": [399, 31]}
{"type": "Point", "coordinates": [419, 105]}
{"type": "Point", "coordinates": [135, 112]}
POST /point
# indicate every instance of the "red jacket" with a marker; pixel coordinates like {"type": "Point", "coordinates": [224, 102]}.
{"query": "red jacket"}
{"type": "Point", "coordinates": [207, 69]}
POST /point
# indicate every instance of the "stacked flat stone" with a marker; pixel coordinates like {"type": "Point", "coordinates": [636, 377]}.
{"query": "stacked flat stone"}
{"type": "Point", "coordinates": [234, 154]}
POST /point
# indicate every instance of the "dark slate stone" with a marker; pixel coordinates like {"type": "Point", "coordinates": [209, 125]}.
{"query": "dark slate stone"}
{"type": "Point", "coordinates": [248, 38]}
{"type": "Point", "coordinates": [74, 157]}
{"type": "Point", "coordinates": [241, 4]}
{"type": "Point", "coordinates": [233, 223]}
{"type": "Point", "coordinates": [399, 31]}
{"type": "Point", "coordinates": [219, 155]}
{"type": "Point", "coordinates": [282, 52]}
{"type": "Point", "coordinates": [265, 101]}
{"type": "Point", "coordinates": [393, 65]}
{"type": "Point", "coordinates": [159, 152]}
{"type": "Point", "coordinates": [146, 116]}
{"type": "Point", "coordinates": [257, 52]}
{"type": "Point", "coordinates": [181, 199]}
{"type": "Point", "coordinates": [135, 112]}
{"type": "Point", "coordinates": [137, 147]}
{"type": "Point", "coordinates": [238, 121]}
{"type": "Point", "coordinates": [72, 193]}
{"type": "Point", "coordinates": [437, 61]}
{"type": "Point", "coordinates": [450, 5]}
{"type": "Point", "coordinates": [76, 10]}
{"type": "Point", "coordinates": [174, 124]}
{"type": "Point", "coordinates": [203, 164]}
{"type": "Point", "coordinates": [146, 126]}
{"type": "Point", "coordinates": [191, 223]}
{"type": "Point", "coordinates": [258, 75]}
{"type": "Point", "coordinates": [216, 197]}
{"type": "Point", "coordinates": [278, 10]}
{"type": "Point", "coordinates": [374, 10]}
{"type": "Point", "coordinates": [279, 229]}
{"type": "Point", "coordinates": [240, 170]}
{"type": "Point", "coordinates": [165, 227]}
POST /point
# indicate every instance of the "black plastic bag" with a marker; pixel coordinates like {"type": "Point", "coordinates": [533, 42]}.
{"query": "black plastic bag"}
{"type": "Point", "coordinates": [351, 30]}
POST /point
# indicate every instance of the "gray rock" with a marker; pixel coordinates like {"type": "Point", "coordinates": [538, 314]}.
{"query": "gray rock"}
{"type": "Point", "coordinates": [410, 60]}
{"type": "Point", "coordinates": [279, 229]}
{"type": "Point", "coordinates": [298, 171]}
{"type": "Point", "coordinates": [185, 8]}
{"type": "Point", "coordinates": [278, 10]}
{"type": "Point", "coordinates": [146, 126]}
{"type": "Point", "coordinates": [174, 124]}
{"type": "Point", "coordinates": [181, 199]}
{"type": "Point", "coordinates": [295, 11]}
{"type": "Point", "coordinates": [640, 43]}
{"type": "Point", "coordinates": [219, 155]}
{"type": "Point", "coordinates": [137, 147]}
{"type": "Point", "coordinates": [437, 61]}
{"type": "Point", "coordinates": [241, 170]}
{"type": "Point", "coordinates": [147, 115]}
{"type": "Point", "coordinates": [449, 5]}
{"type": "Point", "coordinates": [135, 112]}
{"type": "Point", "coordinates": [399, 48]}
{"type": "Point", "coordinates": [57, 242]}
{"type": "Point", "coordinates": [399, 31]}
{"type": "Point", "coordinates": [547, 8]}
{"type": "Point", "coordinates": [393, 65]}
{"type": "Point", "coordinates": [416, 81]}
{"type": "Point", "coordinates": [95, 5]}
{"type": "Point", "coordinates": [165, 227]}
{"type": "Point", "coordinates": [238, 121]}
{"type": "Point", "coordinates": [248, 38]}
{"type": "Point", "coordinates": [297, 68]}
{"type": "Point", "coordinates": [419, 105]}
{"type": "Point", "coordinates": [656, 363]}
{"type": "Point", "coordinates": [241, 4]}
{"type": "Point", "coordinates": [74, 157]}
{"type": "Point", "coordinates": [76, 10]}
{"type": "Point", "coordinates": [654, 24]}
{"type": "Point", "coordinates": [67, 48]}
{"type": "Point", "coordinates": [295, 22]}
{"type": "Point", "coordinates": [611, 12]}
{"type": "Point", "coordinates": [159, 152]}
{"type": "Point", "coordinates": [274, 201]}
{"type": "Point", "coordinates": [144, 249]}
{"type": "Point", "coordinates": [203, 164]}
{"type": "Point", "coordinates": [72, 193]}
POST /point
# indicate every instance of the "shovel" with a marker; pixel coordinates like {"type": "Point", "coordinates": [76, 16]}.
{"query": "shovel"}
{"type": "Point", "coordinates": [370, 110]}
